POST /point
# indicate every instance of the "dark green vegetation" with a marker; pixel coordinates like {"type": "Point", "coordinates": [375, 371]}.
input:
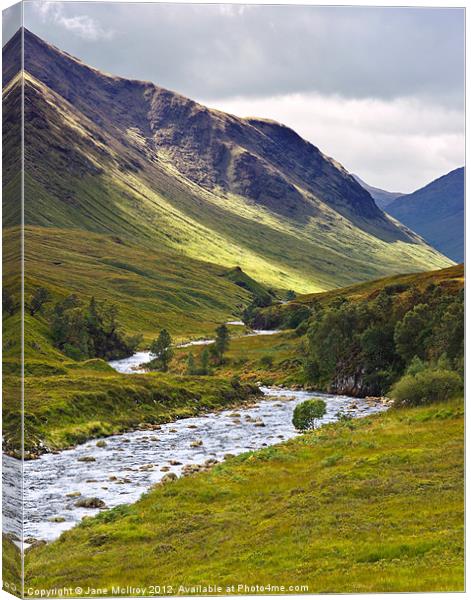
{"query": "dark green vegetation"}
{"type": "Point", "coordinates": [360, 340]}
{"type": "Point", "coordinates": [307, 414]}
{"type": "Point", "coordinates": [436, 212]}
{"type": "Point", "coordinates": [361, 348]}
{"type": "Point", "coordinates": [360, 506]}
{"type": "Point", "coordinates": [89, 331]}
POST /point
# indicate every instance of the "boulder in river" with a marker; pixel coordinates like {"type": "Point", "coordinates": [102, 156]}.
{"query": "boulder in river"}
{"type": "Point", "coordinates": [174, 463]}
{"type": "Point", "coordinates": [56, 520]}
{"type": "Point", "coordinates": [101, 444]}
{"type": "Point", "coordinates": [73, 494]}
{"type": "Point", "coordinates": [146, 467]}
{"type": "Point", "coordinates": [90, 503]}
{"type": "Point", "coordinates": [86, 459]}
{"type": "Point", "coordinates": [196, 443]}
{"type": "Point", "coordinates": [168, 477]}
{"type": "Point", "coordinates": [164, 469]}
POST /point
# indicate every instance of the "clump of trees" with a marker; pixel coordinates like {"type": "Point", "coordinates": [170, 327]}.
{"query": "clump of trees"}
{"type": "Point", "coordinates": [90, 330]}
{"type": "Point", "coordinates": [307, 414]}
{"type": "Point", "coordinates": [372, 342]}
{"type": "Point", "coordinates": [211, 355]}
{"type": "Point", "coordinates": [38, 299]}
{"type": "Point", "coordinates": [192, 368]}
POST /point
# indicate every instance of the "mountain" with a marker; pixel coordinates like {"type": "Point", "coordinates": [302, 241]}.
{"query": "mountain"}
{"type": "Point", "coordinates": [381, 197]}
{"type": "Point", "coordinates": [436, 212]}
{"type": "Point", "coordinates": [149, 169]}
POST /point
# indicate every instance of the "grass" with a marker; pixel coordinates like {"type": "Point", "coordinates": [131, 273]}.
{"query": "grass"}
{"type": "Point", "coordinates": [152, 289]}
{"type": "Point", "coordinates": [11, 566]}
{"type": "Point", "coordinates": [268, 359]}
{"type": "Point", "coordinates": [373, 505]}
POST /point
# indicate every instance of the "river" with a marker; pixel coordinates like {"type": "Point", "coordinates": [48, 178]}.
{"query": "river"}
{"type": "Point", "coordinates": [130, 463]}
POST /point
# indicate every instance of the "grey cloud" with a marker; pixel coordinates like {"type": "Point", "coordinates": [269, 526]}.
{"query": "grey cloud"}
{"type": "Point", "coordinates": [217, 51]}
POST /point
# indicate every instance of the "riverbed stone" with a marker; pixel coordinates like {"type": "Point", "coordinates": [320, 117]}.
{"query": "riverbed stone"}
{"type": "Point", "coordinates": [73, 494]}
{"type": "Point", "coordinates": [86, 459]}
{"type": "Point", "coordinates": [196, 443]}
{"type": "Point", "coordinates": [56, 520]}
{"type": "Point", "coordinates": [101, 444]}
{"type": "Point", "coordinates": [90, 503]}
{"type": "Point", "coordinates": [149, 467]}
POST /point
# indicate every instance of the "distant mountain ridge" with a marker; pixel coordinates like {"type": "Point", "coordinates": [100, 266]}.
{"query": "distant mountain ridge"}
{"type": "Point", "coordinates": [150, 167]}
{"type": "Point", "coordinates": [436, 212]}
{"type": "Point", "coordinates": [381, 197]}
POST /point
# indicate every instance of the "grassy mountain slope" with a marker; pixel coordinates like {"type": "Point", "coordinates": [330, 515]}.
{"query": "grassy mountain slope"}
{"type": "Point", "coordinates": [152, 289]}
{"type": "Point", "coordinates": [390, 487]}
{"type": "Point", "coordinates": [436, 212]}
{"type": "Point", "coordinates": [127, 158]}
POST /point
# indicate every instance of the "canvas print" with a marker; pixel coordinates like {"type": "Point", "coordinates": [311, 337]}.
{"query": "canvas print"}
{"type": "Point", "coordinates": [233, 246]}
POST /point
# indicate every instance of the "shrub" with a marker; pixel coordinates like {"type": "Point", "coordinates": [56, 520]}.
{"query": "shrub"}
{"type": "Point", "coordinates": [307, 413]}
{"type": "Point", "coordinates": [266, 361]}
{"type": "Point", "coordinates": [426, 387]}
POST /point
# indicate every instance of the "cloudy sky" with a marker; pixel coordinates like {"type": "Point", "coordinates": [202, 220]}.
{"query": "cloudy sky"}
{"type": "Point", "coordinates": [379, 89]}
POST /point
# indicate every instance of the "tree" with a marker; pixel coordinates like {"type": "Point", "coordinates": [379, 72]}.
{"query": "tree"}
{"type": "Point", "coordinates": [8, 303]}
{"type": "Point", "coordinates": [204, 359]}
{"type": "Point", "coordinates": [307, 413]}
{"type": "Point", "coordinates": [221, 343]}
{"type": "Point", "coordinates": [161, 347]}
{"type": "Point", "coordinates": [410, 334]}
{"type": "Point", "coordinates": [190, 365]}
{"type": "Point", "coordinates": [38, 300]}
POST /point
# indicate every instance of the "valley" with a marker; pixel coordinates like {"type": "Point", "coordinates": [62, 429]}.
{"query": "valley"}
{"type": "Point", "coordinates": [190, 278]}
